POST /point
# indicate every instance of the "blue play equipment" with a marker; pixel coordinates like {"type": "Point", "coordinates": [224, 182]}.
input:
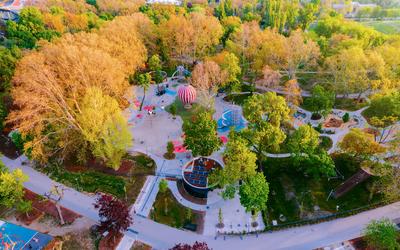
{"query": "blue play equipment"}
{"type": "Point", "coordinates": [231, 118]}
{"type": "Point", "coordinates": [17, 237]}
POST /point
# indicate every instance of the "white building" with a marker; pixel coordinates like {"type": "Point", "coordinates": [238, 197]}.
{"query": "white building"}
{"type": "Point", "coordinates": [352, 8]}
{"type": "Point", "coordinates": [172, 2]}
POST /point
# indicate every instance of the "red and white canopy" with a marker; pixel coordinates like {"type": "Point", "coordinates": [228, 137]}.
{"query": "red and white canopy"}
{"type": "Point", "coordinates": [187, 94]}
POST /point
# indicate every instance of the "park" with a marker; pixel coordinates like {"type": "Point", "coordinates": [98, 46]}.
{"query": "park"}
{"type": "Point", "coordinates": [194, 125]}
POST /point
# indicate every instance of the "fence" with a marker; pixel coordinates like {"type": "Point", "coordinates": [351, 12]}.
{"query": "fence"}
{"type": "Point", "coordinates": [341, 214]}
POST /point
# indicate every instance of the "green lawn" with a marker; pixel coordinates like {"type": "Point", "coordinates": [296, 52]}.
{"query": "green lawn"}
{"type": "Point", "coordinates": [169, 212]}
{"type": "Point", "coordinates": [185, 114]}
{"type": "Point", "coordinates": [124, 187]}
{"type": "Point", "coordinates": [237, 99]}
{"type": "Point", "coordinates": [294, 195]}
{"type": "Point", "coordinates": [340, 103]}
{"type": "Point", "coordinates": [387, 27]}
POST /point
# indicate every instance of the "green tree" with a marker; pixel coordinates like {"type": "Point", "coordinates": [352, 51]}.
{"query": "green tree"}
{"type": "Point", "coordinates": [11, 187]}
{"type": "Point", "coordinates": [240, 162]}
{"type": "Point", "coordinates": [265, 114]}
{"type": "Point", "coordinates": [321, 100]}
{"type": "Point", "coordinates": [382, 235]}
{"type": "Point", "coordinates": [8, 61]}
{"type": "Point", "coordinates": [304, 140]}
{"type": "Point", "coordinates": [254, 193]}
{"type": "Point", "coordinates": [308, 156]}
{"type": "Point", "coordinates": [201, 134]}
{"type": "Point", "coordinates": [104, 127]}
{"type": "Point", "coordinates": [29, 28]}
{"type": "Point", "coordinates": [155, 63]}
{"type": "Point", "coordinates": [144, 81]}
{"type": "Point", "coordinates": [307, 14]}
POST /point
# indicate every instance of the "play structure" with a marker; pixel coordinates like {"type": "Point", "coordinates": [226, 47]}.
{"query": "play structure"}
{"type": "Point", "coordinates": [17, 237]}
{"type": "Point", "coordinates": [231, 118]}
{"type": "Point", "coordinates": [187, 95]}
{"type": "Point", "coordinates": [195, 175]}
{"type": "Point", "coordinates": [180, 73]}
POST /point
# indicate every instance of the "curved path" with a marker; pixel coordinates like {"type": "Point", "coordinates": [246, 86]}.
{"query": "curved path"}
{"type": "Point", "coordinates": [163, 237]}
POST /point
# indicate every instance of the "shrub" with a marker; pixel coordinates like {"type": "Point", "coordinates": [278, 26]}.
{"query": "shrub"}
{"type": "Point", "coordinates": [170, 151]}
{"type": "Point", "coordinates": [346, 117]}
{"type": "Point", "coordinates": [173, 109]}
{"type": "Point", "coordinates": [163, 186]}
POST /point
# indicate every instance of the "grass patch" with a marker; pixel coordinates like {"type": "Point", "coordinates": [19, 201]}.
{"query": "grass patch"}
{"type": "Point", "coordinates": [185, 114]}
{"type": "Point", "coordinates": [325, 143]}
{"type": "Point", "coordinates": [348, 104]}
{"type": "Point", "coordinates": [294, 195]}
{"type": "Point", "coordinates": [127, 188]}
{"type": "Point", "coordinates": [143, 166]}
{"type": "Point", "coordinates": [387, 27]}
{"type": "Point", "coordinates": [238, 99]}
{"type": "Point", "coordinates": [340, 103]}
{"type": "Point", "coordinates": [78, 240]}
{"type": "Point", "coordinates": [89, 181]}
{"type": "Point", "coordinates": [168, 211]}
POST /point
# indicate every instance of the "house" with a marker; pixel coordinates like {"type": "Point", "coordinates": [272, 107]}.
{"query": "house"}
{"type": "Point", "coordinates": [351, 9]}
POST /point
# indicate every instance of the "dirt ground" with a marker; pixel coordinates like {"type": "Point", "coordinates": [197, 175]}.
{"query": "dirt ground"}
{"type": "Point", "coordinates": [48, 225]}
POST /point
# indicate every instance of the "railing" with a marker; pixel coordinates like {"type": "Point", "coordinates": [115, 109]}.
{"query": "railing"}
{"type": "Point", "coordinates": [337, 215]}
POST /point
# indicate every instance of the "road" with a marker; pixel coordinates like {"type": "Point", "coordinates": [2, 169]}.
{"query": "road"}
{"type": "Point", "coordinates": [163, 237]}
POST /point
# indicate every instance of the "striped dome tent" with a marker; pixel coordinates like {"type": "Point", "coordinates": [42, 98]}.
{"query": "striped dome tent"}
{"type": "Point", "coordinates": [187, 94]}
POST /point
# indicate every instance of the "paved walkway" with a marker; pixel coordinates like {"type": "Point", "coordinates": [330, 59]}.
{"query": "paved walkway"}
{"type": "Point", "coordinates": [163, 237]}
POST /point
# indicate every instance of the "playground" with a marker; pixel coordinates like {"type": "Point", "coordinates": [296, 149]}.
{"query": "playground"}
{"type": "Point", "coordinates": [14, 237]}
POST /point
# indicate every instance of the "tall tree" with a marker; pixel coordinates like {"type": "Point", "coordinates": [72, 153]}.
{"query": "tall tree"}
{"type": "Point", "coordinates": [321, 100]}
{"type": "Point", "coordinates": [265, 114]}
{"type": "Point", "coordinates": [254, 193]}
{"type": "Point", "coordinates": [201, 134]}
{"type": "Point", "coordinates": [308, 156]}
{"type": "Point", "coordinates": [104, 127]}
{"type": "Point", "coordinates": [143, 80]}
{"type": "Point", "coordinates": [48, 86]}
{"type": "Point", "coordinates": [240, 162]}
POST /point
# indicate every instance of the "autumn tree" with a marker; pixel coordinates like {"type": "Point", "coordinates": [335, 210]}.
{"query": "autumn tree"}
{"type": "Point", "coordinates": [104, 127]}
{"type": "Point", "coordinates": [355, 71]}
{"type": "Point", "coordinates": [293, 93]}
{"type": "Point", "coordinates": [48, 86]}
{"type": "Point", "coordinates": [360, 144]}
{"type": "Point", "coordinates": [114, 214]}
{"type": "Point", "coordinates": [303, 53]}
{"type": "Point", "coordinates": [207, 76]}
{"type": "Point", "coordinates": [201, 134]}
{"type": "Point", "coordinates": [254, 193]}
{"type": "Point", "coordinates": [176, 36]}
{"type": "Point", "coordinates": [271, 78]}
{"type": "Point", "coordinates": [229, 64]}
{"type": "Point", "coordinates": [119, 7]}
{"type": "Point", "coordinates": [206, 35]}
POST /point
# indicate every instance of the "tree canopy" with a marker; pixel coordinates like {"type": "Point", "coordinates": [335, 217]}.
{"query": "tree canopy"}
{"type": "Point", "coordinates": [201, 134]}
